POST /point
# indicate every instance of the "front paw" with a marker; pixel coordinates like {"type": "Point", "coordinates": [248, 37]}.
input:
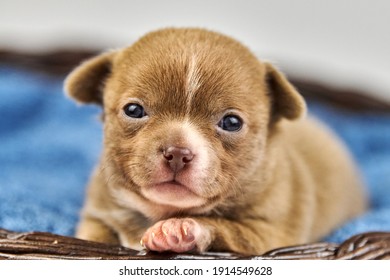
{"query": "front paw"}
{"type": "Point", "coordinates": [177, 235]}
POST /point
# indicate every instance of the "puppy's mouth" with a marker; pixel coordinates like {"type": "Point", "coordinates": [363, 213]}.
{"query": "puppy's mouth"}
{"type": "Point", "coordinates": [173, 193]}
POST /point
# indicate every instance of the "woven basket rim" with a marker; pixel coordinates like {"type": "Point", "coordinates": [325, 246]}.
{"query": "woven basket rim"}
{"type": "Point", "coordinates": [45, 245]}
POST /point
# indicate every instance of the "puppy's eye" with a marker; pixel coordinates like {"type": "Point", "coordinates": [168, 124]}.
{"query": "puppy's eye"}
{"type": "Point", "coordinates": [230, 123]}
{"type": "Point", "coordinates": [134, 110]}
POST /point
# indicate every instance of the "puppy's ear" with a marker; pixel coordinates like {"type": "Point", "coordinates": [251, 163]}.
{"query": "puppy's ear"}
{"type": "Point", "coordinates": [85, 83]}
{"type": "Point", "coordinates": [286, 101]}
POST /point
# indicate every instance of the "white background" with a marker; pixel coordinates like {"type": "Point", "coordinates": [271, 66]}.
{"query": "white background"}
{"type": "Point", "coordinates": [281, 270]}
{"type": "Point", "coordinates": [345, 43]}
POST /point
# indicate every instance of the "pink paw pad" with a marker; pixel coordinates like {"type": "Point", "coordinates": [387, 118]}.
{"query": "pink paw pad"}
{"type": "Point", "coordinates": [177, 235]}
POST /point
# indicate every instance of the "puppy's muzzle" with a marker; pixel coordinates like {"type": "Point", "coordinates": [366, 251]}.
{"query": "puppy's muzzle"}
{"type": "Point", "coordinates": [177, 157]}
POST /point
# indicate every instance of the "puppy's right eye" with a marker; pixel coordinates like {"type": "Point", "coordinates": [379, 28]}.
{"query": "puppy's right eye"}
{"type": "Point", "coordinates": [134, 110]}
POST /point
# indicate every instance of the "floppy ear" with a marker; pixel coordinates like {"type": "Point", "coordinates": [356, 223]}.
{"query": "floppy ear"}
{"type": "Point", "coordinates": [85, 83]}
{"type": "Point", "coordinates": [286, 101]}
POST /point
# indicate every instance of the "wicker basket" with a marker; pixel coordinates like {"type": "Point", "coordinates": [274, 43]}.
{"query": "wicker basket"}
{"type": "Point", "coordinates": [42, 245]}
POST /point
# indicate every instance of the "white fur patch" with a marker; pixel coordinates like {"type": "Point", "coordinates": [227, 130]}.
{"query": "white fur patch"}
{"type": "Point", "coordinates": [200, 147]}
{"type": "Point", "coordinates": [193, 81]}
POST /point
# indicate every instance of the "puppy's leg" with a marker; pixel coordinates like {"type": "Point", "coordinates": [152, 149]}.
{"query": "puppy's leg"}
{"type": "Point", "coordinates": [216, 234]}
{"type": "Point", "coordinates": [93, 229]}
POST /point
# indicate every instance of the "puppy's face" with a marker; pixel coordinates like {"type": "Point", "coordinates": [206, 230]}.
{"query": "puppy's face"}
{"type": "Point", "coordinates": [186, 115]}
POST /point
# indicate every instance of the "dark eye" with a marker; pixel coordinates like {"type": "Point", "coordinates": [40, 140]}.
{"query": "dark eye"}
{"type": "Point", "coordinates": [134, 111]}
{"type": "Point", "coordinates": [230, 123]}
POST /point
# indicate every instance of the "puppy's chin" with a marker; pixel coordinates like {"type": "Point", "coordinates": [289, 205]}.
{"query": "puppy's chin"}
{"type": "Point", "coordinates": [173, 194]}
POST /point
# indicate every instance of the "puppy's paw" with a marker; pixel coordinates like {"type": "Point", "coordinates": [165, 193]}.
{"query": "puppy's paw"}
{"type": "Point", "coordinates": [177, 235]}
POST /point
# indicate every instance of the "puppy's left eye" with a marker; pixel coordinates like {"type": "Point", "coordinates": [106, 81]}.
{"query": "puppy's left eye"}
{"type": "Point", "coordinates": [134, 110]}
{"type": "Point", "coordinates": [231, 123]}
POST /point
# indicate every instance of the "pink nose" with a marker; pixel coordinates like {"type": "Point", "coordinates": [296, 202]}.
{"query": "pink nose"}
{"type": "Point", "coordinates": [177, 157]}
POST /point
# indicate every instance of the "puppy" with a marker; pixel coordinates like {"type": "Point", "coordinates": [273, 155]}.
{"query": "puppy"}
{"type": "Point", "coordinates": [208, 148]}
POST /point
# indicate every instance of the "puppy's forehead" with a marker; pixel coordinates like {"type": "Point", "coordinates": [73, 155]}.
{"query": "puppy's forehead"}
{"type": "Point", "coordinates": [190, 74]}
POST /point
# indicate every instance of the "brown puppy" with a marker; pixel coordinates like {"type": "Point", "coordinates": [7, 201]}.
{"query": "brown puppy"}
{"type": "Point", "coordinates": [207, 148]}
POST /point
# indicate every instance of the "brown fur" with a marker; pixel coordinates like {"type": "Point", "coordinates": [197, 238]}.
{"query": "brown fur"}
{"type": "Point", "coordinates": [282, 179]}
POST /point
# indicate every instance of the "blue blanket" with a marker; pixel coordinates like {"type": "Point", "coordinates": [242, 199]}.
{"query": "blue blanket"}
{"type": "Point", "coordinates": [49, 145]}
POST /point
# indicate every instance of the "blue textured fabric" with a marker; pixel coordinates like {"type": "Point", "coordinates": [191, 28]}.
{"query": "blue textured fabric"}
{"type": "Point", "coordinates": [49, 145]}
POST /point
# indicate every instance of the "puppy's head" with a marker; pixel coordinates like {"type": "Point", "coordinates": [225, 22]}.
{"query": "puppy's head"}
{"type": "Point", "coordinates": [187, 114]}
